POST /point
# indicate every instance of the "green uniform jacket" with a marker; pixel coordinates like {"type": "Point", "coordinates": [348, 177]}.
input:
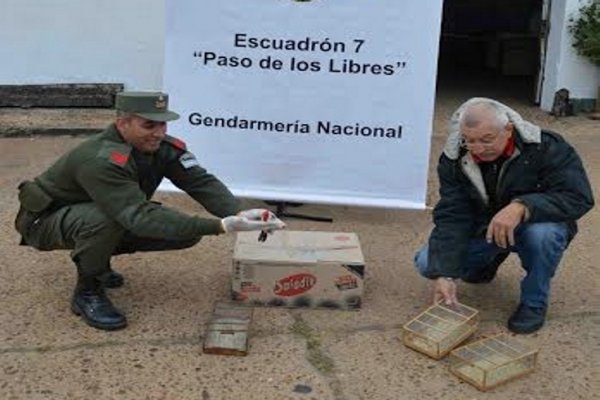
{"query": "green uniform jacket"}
{"type": "Point", "coordinates": [120, 180]}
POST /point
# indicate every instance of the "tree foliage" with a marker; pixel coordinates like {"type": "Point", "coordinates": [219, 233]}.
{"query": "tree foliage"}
{"type": "Point", "coordinates": [586, 31]}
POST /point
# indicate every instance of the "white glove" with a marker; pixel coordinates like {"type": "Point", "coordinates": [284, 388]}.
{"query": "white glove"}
{"type": "Point", "coordinates": [256, 219]}
{"type": "Point", "coordinates": [257, 214]}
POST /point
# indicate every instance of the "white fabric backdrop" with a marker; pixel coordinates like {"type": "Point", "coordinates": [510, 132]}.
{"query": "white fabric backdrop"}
{"type": "Point", "coordinates": [216, 68]}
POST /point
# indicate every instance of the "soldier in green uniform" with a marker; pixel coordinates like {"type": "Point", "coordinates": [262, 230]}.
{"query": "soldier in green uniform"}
{"type": "Point", "coordinates": [95, 200]}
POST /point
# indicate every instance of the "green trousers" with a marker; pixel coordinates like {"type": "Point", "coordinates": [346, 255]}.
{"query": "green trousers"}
{"type": "Point", "coordinates": [91, 235]}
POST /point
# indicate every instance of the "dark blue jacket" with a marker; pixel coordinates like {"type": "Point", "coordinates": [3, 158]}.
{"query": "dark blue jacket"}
{"type": "Point", "coordinates": [545, 173]}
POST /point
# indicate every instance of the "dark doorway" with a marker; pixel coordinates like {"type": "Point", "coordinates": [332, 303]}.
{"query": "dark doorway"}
{"type": "Point", "coordinates": [491, 48]}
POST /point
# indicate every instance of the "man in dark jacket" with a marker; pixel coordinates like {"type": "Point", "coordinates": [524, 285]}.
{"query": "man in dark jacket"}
{"type": "Point", "coordinates": [505, 186]}
{"type": "Point", "coordinates": [95, 200]}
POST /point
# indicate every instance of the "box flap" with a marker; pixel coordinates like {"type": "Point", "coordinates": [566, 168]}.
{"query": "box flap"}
{"type": "Point", "coordinates": [299, 247]}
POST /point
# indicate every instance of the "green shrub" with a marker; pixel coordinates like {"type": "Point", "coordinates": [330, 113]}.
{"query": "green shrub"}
{"type": "Point", "coordinates": [586, 31]}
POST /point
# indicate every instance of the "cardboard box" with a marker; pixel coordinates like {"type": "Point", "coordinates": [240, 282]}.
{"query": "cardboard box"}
{"type": "Point", "coordinates": [299, 269]}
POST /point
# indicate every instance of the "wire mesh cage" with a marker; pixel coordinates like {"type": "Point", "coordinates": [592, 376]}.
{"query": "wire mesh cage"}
{"type": "Point", "coordinates": [492, 361]}
{"type": "Point", "coordinates": [440, 328]}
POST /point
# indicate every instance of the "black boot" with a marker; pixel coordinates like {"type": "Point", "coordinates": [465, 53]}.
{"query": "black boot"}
{"type": "Point", "coordinates": [96, 309]}
{"type": "Point", "coordinates": [111, 279]}
{"type": "Point", "coordinates": [527, 319]}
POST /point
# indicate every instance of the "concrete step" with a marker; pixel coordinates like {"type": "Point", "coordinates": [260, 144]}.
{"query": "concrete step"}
{"type": "Point", "coordinates": [16, 122]}
{"type": "Point", "coordinates": [60, 95]}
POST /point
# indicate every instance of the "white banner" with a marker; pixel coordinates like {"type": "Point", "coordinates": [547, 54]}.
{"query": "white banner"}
{"type": "Point", "coordinates": [321, 101]}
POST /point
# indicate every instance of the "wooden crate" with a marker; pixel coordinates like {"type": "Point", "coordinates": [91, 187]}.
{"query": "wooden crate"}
{"type": "Point", "coordinates": [227, 331]}
{"type": "Point", "coordinates": [492, 361]}
{"type": "Point", "coordinates": [440, 328]}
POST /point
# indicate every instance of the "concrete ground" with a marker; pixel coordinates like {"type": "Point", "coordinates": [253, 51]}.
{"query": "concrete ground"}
{"type": "Point", "coordinates": [47, 353]}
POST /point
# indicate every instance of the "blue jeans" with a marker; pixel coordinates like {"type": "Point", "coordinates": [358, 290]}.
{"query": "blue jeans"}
{"type": "Point", "coordinates": [540, 247]}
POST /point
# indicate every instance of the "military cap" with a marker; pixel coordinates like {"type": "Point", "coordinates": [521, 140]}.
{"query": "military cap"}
{"type": "Point", "coordinates": [148, 105]}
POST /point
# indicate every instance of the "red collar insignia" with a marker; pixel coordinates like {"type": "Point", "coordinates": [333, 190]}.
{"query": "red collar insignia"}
{"type": "Point", "coordinates": [177, 143]}
{"type": "Point", "coordinates": [180, 144]}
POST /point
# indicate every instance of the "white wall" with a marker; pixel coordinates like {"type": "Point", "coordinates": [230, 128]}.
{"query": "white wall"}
{"type": "Point", "coordinates": [122, 41]}
{"type": "Point", "coordinates": [564, 68]}
{"type": "Point", "coordinates": [82, 41]}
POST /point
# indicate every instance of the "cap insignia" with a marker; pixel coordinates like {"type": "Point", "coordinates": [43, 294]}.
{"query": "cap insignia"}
{"type": "Point", "coordinates": [160, 102]}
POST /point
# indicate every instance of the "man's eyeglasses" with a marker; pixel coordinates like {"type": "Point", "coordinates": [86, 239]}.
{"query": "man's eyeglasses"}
{"type": "Point", "coordinates": [486, 142]}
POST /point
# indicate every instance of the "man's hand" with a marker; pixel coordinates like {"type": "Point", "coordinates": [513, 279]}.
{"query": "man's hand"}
{"type": "Point", "coordinates": [502, 227]}
{"type": "Point", "coordinates": [251, 220]}
{"type": "Point", "coordinates": [444, 290]}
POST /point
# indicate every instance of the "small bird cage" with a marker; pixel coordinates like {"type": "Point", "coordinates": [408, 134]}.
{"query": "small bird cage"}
{"type": "Point", "coordinates": [492, 361]}
{"type": "Point", "coordinates": [440, 328]}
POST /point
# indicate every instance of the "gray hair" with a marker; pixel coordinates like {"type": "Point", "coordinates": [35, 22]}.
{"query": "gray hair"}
{"type": "Point", "coordinates": [472, 116]}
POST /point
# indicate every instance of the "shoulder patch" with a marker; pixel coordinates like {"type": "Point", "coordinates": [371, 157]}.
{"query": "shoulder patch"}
{"type": "Point", "coordinates": [116, 153]}
{"type": "Point", "coordinates": [188, 160]}
{"type": "Point", "coordinates": [118, 158]}
{"type": "Point", "coordinates": [177, 143]}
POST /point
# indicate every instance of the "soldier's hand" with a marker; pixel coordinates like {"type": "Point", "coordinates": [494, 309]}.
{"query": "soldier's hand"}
{"type": "Point", "coordinates": [444, 290]}
{"type": "Point", "coordinates": [251, 220]}
{"type": "Point", "coordinates": [501, 229]}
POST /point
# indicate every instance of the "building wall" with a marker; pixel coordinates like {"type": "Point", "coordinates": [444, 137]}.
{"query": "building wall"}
{"type": "Point", "coordinates": [564, 68]}
{"type": "Point", "coordinates": [82, 41]}
{"type": "Point", "coordinates": [122, 41]}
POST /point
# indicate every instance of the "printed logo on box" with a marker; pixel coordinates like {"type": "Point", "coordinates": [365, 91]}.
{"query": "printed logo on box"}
{"type": "Point", "coordinates": [249, 287]}
{"type": "Point", "coordinates": [346, 282]}
{"type": "Point", "coordinates": [342, 238]}
{"type": "Point", "coordinates": [294, 284]}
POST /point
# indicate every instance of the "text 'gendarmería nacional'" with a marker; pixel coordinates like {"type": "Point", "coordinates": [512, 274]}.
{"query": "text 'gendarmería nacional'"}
{"type": "Point", "coordinates": [319, 127]}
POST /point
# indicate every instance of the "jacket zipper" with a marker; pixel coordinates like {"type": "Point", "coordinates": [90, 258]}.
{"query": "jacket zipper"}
{"type": "Point", "coordinates": [514, 155]}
